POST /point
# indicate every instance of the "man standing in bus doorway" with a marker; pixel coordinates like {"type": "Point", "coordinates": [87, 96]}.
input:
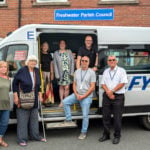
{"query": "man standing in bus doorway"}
{"type": "Point", "coordinates": [88, 50]}
{"type": "Point", "coordinates": [113, 82]}
{"type": "Point", "coordinates": [83, 87]}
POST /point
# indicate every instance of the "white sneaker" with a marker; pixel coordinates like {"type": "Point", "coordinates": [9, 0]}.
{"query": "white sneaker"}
{"type": "Point", "coordinates": [82, 136]}
{"type": "Point", "coordinates": [69, 123]}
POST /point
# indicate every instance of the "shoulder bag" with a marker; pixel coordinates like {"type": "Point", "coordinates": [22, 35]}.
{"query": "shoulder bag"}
{"type": "Point", "coordinates": [27, 99]}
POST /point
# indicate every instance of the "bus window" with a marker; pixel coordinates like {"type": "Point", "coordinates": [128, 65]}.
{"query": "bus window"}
{"type": "Point", "coordinates": [16, 56]}
{"type": "Point", "coordinates": [2, 53]}
{"type": "Point", "coordinates": [134, 58]}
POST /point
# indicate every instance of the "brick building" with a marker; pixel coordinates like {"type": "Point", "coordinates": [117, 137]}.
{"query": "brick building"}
{"type": "Point", "coordinates": [15, 13]}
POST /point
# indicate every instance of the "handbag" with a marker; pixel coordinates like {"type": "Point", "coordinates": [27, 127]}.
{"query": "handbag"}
{"type": "Point", "coordinates": [27, 99]}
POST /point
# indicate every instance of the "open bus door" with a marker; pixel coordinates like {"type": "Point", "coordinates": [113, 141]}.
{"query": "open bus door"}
{"type": "Point", "coordinates": [74, 40]}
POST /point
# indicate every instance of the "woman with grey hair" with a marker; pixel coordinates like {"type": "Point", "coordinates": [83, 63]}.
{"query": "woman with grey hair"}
{"type": "Point", "coordinates": [64, 69]}
{"type": "Point", "coordinates": [26, 80]}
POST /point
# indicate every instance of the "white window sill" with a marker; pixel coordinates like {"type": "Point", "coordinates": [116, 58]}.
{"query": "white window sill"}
{"type": "Point", "coordinates": [3, 5]}
{"type": "Point", "coordinates": [52, 4]}
{"type": "Point", "coordinates": [102, 2]}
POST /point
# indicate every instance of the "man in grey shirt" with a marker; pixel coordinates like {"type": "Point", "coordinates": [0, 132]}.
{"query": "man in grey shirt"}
{"type": "Point", "coordinates": [83, 87]}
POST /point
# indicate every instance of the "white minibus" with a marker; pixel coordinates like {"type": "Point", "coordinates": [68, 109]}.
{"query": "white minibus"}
{"type": "Point", "coordinates": [131, 46]}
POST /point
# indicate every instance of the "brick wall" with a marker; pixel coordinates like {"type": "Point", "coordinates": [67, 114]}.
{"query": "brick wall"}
{"type": "Point", "coordinates": [124, 15]}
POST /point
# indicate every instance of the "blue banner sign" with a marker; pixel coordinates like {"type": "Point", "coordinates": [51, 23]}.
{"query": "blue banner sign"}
{"type": "Point", "coordinates": [83, 14]}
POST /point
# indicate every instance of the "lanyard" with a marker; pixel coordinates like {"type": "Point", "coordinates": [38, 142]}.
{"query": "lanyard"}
{"type": "Point", "coordinates": [82, 77]}
{"type": "Point", "coordinates": [112, 76]}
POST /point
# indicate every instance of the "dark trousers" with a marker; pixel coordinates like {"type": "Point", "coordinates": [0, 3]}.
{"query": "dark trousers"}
{"type": "Point", "coordinates": [114, 107]}
{"type": "Point", "coordinates": [27, 121]}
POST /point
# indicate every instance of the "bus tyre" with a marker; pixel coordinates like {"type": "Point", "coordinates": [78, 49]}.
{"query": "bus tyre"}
{"type": "Point", "coordinates": [145, 121]}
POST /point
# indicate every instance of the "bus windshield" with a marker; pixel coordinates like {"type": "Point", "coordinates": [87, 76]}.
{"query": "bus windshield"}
{"type": "Point", "coordinates": [133, 58]}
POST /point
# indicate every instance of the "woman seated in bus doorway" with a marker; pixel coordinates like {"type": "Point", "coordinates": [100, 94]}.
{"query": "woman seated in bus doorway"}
{"type": "Point", "coordinates": [47, 74]}
{"type": "Point", "coordinates": [27, 79]}
{"type": "Point", "coordinates": [64, 69]}
{"type": "Point", "coordinates": [4, 101]}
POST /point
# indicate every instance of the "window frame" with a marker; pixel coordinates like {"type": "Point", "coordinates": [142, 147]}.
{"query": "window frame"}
{"type": "Point", "coordinates": [12, 72]}
{"type": "Point", "coordinates": [131, 69]}
{"type": "Point", "coordinates": [52, 3]}
{"type": "Point", "coordinates": [3, 50]}
{"type": "Point", "coordinates": [118, 2]}
{"type": "Point", "coordinates": [3, 2]}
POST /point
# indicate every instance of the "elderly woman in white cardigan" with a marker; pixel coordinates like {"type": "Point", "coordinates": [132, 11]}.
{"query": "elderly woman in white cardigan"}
{"type": "Point", "coordinates": [64, 69]}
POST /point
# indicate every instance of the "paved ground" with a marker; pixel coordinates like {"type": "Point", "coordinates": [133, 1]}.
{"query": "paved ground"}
{"type": "Point", "coordinates": [134, 137]}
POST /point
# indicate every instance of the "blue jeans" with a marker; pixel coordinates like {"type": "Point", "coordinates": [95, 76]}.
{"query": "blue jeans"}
{"type": "Point", "coordinates": [4, 119]}
{"type": "Point", "coordinates": [85, 105]}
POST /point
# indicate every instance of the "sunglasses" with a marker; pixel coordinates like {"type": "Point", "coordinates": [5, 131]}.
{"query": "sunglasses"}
{"type": "Point", "coordinates": [111, 59]}
{"type": "Point", "coordinates": [84, 60]}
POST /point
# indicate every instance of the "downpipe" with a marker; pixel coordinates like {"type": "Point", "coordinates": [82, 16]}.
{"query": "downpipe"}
{"type": "Point", "coordinates": [19, 13]}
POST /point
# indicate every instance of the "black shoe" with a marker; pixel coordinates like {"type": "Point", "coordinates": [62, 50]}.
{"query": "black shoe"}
{"type": "Point", "coordinates": [116, 140]}
{"type": "Point", "coordinates": [104, 138]}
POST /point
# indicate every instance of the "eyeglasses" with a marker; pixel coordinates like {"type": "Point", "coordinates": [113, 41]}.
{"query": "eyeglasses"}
{"type": "Point", "coordinates": [111, 59]}
{"type": "Point", "coordinates": [84, 60]}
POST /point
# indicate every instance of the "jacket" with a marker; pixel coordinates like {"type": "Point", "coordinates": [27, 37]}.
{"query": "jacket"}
{"type": "Point", "coordinates": [23, 81]}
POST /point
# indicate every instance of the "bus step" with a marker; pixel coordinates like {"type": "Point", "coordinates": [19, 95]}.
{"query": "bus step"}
{"type": "Point", "coordinates": [56, 125]}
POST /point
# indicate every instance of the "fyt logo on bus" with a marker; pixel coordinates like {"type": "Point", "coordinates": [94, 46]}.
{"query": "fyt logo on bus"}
{"type": "Point", "coordinates": [140, 82]}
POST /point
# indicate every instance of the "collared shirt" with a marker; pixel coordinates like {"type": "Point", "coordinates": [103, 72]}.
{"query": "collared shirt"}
{"type": "Point", "coordinates": [111, 78]}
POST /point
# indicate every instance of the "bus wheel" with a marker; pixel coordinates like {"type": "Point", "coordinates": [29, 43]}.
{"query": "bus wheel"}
{"type": "Point", "coordinates": [145, 121]}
